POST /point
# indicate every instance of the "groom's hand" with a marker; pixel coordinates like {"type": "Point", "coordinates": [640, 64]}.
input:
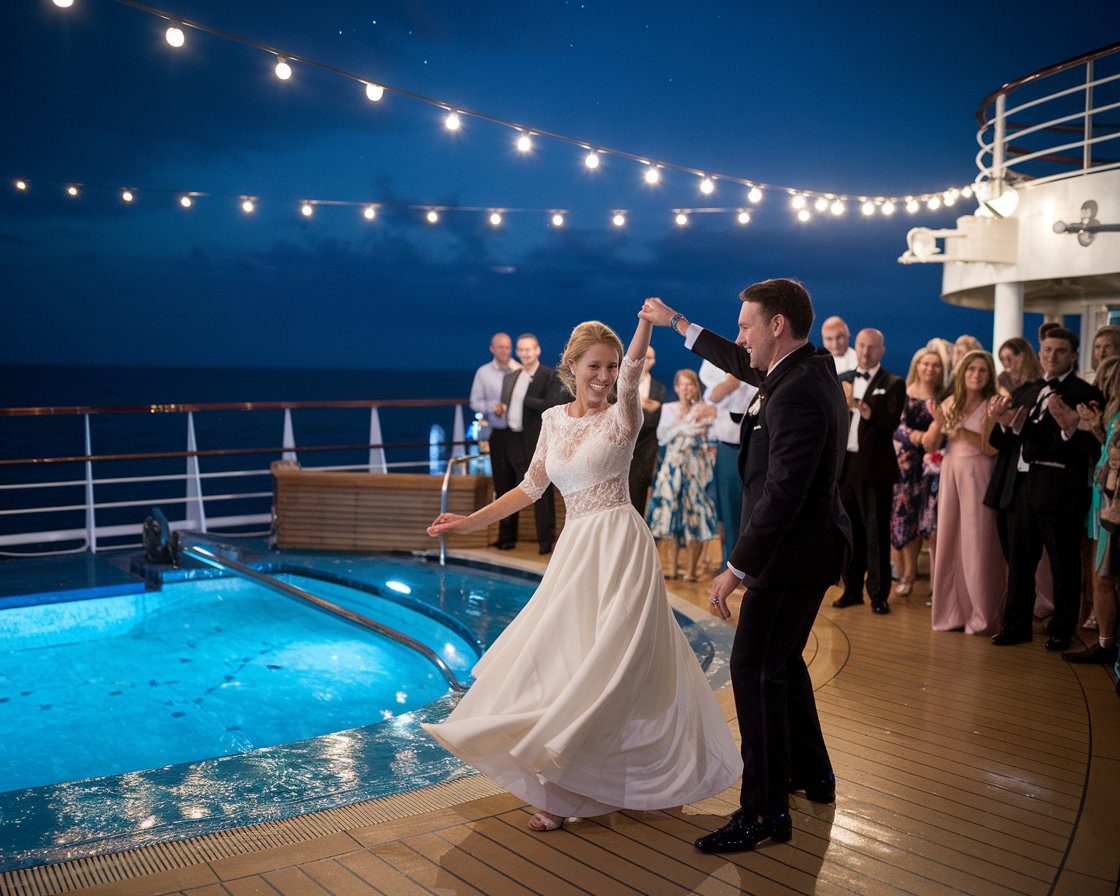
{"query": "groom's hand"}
{"type": "Point", "coordinates": [656, 312]}
{"type": "Point", "coordinates": [722, 587]}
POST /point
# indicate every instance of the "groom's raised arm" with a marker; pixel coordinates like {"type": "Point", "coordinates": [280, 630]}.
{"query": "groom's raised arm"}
{"type": "Point", "coordinates": [724, 353]}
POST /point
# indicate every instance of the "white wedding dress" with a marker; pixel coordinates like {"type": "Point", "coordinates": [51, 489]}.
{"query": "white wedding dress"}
{"type": "Point", "coordinates": [592, 700]}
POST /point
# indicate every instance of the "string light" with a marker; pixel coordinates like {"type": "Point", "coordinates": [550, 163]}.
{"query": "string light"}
{"type": "Point", "coordinates": [186, 201]}
{"type": "Point", "coordinates": [452, 122]}
{"type": "Point", "coordinates": [619, 219]}
{"type": "Point", "coordinates": [306, 210]}
{"type": "Point", "coordinates": [744, 217]}
{"type": "Point", "coordinates": [652, 175]}
{"type": "Point", "coordinates": [707, 186]}
{"type": "Point", "coordinates": [803, 215]}
{"type": "Point", "coordinates": [283, 70]}
{"type": "Point", "coordinates": [911, 205]}
{"type": "Point", "coordinates": [374, 92]}
{"type": "Point", "coordinates": [370, 212]}
{"type": "Point", "coordinates": [681, 219]}
{"type": "Point", "coordinates": [868, 207]}
{"type": "Point", "coordinates": [755, 195]}
{"type": "Point", "coordinates": [248, 206]}
{"type": "Point", "coordinates": [126, 195]}
{"type": "Point", "coordinates": [837, 208]}
{"type": "Point", "coordinates": [174, 36]}
{"type": "Point", "coordinates": [495, 219]}
{"type": "Point", "coordinates": [524, 143]}
{"type": "Point", "coordinates": [63, 4]}
{"type": "Point", "coordinates": [821, 203]}
{"type": "Point", "coordinates": [21, 185]}
{"type": "Point", "coordinates": [557, 219]}
{"type": "Point", "coordinates": [798, 203]}
{"type": "Point", "coordinates": [591, 160]}
{"type": "Point", "coordinates": [72, 190]}
{"type": "Point", "coordinates": [933, 203]}
{"type": "Point", "coordinates": [432, 216]}
{"type": "Point", "coordinates": [887, 208]}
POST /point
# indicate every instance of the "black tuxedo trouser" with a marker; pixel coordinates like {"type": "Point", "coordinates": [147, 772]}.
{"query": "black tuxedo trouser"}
{"type": "Point", "coordinates": [544, 508]}
{"type": "Point", "coordinates": [642, 467]}
{"type": "Point", "coordinates": [774, 695]}
{"type": "Point", "coordinates": [1047, 511]}
{"type": "Point", "coordinates": [869, 507]}
{"type": "Point", "coordinates": [503, 448]}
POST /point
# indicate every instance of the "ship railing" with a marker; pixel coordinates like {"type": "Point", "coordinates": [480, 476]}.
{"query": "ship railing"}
{"type": "Point", "coordinates": [86, 500]}
{"type": "Point", "coordinates": [1060, 121]}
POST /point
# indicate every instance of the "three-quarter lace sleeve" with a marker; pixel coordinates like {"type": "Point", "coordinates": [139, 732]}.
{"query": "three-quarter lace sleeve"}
{"type": "Point", "coordinates": [629, 408]}
{"type": "Point", "coordinates": [536, 478]}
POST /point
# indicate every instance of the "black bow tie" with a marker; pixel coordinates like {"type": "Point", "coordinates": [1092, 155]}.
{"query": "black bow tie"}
{"type": "Point", "coordinates": [862, 375]}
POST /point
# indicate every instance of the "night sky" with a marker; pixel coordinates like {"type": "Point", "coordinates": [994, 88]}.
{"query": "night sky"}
{"type": "Point", "coordinates": [854, 98]}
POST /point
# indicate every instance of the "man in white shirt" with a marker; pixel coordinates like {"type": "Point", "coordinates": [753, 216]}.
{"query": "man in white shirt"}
{"type": "Point", "coordinates": [731, 398]}
{"type": "Point", "coordinates": [486, 398]}
{"type": "Point", "coordinates": [835, 336]}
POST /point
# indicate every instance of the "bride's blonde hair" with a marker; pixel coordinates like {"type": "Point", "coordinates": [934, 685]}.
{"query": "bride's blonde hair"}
{"type": "Point", "coordinates": [584, 336]}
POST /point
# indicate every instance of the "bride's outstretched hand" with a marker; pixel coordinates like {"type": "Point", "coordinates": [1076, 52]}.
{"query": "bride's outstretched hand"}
{"type": "Point", "coordinates": [444, 523]}
{"type": "Point", "coordinates": [656, 312]}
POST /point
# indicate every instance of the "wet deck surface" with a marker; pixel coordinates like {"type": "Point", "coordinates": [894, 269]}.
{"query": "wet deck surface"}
{"type": "Point", "coordinates": [962, 768]}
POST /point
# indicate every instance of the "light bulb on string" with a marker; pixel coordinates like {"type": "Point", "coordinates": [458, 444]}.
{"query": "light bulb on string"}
{"type": "Point", "coordinates": [370, 212]}
{"type": "Point", "coordinates": [798, 201]}
{"type": "Point", "coordinates": [247, 205]}
{"type": "Point", "coordinates": [557, 219]}
{"type": "Point", "coordinates": [707, 186]}
{"type": "Point", "coordinates": [495, 219]}
{"type": "Point", "coordinates": [374, 92]}
{"type": "Point", "coordinates": [524, 142]}
{"type": "Point", "coordinates": [933, 203]}
{"type": "Point", "coordinates": [591, 160]}
{"type": "Point", "coordinates": [652, 175]}
{"type": "Point", "coordinates": [306, 210]}
{"type": "Point", "coordinates": [21, 185]}
{"type": "Point", "coordinates": [755, 195]}
{"type": "Point", "coordinates": [186, 201]}
{"type": "Point", "coordinates": [820, 204]}
{"type": "Point", "coordinates": [966, 192]}
{"type": "Point", "coordinates": [887, 208]}
{"type": "Point", "coordinates": [432, 216]}
{"type": "Point", "coordinates": [283, 70]}
{"type": "Point", "coordinates": [803, 215]}
{"type": "Point", "coordinates": [452, 121]}
{"type": "Point", "coordinates": [681, 219]}
{"type": "Point", "coordinates": [911, 205]}
{"type": "Point", "coordinates": [837, 208]}
{"type": "Point", "coordinates": [174, 36]}
{"type": "Point", "coordinates": [868, 207]}
{"type": "Point", "coordinates": [744, 217]}
{"type": "Point", "coordinates": [619, 219]}
{"type": "Point", "coordinates": [127, 196]}
{"type": "Point", "coordinates": [63, 4]}
{"type": "Point", "coordinates": [950, 198]}
{"type": "Point", "coordinates": [72, 190]}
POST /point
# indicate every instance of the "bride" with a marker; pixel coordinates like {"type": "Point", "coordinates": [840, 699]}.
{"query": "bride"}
{"type": "Point", "coordinates": [591, 700]}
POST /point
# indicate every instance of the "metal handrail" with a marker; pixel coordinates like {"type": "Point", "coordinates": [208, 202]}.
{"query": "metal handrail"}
{"type": "Point", "coordinates": [443, 492]}
{"type": "Point", "coordinates": [189, 546]}
{"type": "Point", "coordinates": [999, 125]}
{"type": "Point", "coordinates": [77, 411]}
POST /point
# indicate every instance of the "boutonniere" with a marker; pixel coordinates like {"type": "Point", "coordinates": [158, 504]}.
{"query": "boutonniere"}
{"type": "Point", "coordinates": [756, 406]}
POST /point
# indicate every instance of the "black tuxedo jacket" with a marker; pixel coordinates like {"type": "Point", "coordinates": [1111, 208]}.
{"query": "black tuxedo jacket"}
{"type": "Point", "coordinates": [545, 390]}
{"type": "Point", "coordinates": [650, 419]}
{"type": "Point", "coordinates": [1041, 440]}
{"type": "Point", "coordinates": [794, 529]}
{"type": "Point", "coordinates": [886, 396]}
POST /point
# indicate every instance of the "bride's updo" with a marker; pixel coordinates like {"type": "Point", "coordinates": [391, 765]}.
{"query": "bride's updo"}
{"type": "Point", "coordinates": [584, 336]}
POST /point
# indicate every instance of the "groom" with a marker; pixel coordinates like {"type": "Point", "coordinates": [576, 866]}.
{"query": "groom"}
{"type": "Point", "coordinates": [793, 541]}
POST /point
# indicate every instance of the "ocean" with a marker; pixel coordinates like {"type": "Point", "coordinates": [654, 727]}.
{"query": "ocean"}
{"type": "Point", "coordinates": [25, 437]}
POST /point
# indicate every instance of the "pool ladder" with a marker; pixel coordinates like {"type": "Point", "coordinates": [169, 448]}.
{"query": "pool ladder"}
{"type": "Point", "coordinates": [462, 459]}
{"type": "Point", "coordinates": [189, 546]}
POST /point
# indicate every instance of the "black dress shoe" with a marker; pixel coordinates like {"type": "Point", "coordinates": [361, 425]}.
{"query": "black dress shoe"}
{"type": "Point", "coordinates": [881, 607]}
{"type": "Point", "coordinates": [544, 549]}
{"type": "Point", "coordinates": [823, 790]}
{"type": "Point", "coordinates": [742, 832]}
{"type": "Point", "coordinates": [847, 600]}
{"type": "Point", "coordinates": [1095, 654]}
{"type": "Point", "coordinates": [506, 545]}
{"type": "Point", "coordinates": [1005, 638]}
{"type": "Point", "coordinates": [1056, 643]}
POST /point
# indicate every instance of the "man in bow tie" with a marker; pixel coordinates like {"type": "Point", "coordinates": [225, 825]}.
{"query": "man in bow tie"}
{"type": "Point", "coordinates": [1041, 488]}
{"type": "Point", "coordinates": [875, 399]}
{"type": "Point", "coordinates": [792, 539]}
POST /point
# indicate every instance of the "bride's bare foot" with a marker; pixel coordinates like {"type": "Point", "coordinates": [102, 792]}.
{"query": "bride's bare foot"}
{"type": "Point", "coordinates": [546, 821]}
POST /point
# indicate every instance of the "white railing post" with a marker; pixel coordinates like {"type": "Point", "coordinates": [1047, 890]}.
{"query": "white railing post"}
{"type": "Point", "coordinates": [91, 515]}
{"type": "Point", "coordinates": [999, 135]}
{"type": "Point", "coordinates": [1087, 149]}
{"type": "Point", "coordinates": [195, 512]}
{"type": "Point", "coordinates": [376, 455]}
{"type": "Point", "coordinates": [458, 435]}
{"type": "Point", "coordinates": [289, 437]}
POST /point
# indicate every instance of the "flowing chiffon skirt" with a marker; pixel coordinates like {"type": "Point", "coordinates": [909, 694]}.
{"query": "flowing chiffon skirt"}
{"type": "Point", "coordinates": [592, 700]}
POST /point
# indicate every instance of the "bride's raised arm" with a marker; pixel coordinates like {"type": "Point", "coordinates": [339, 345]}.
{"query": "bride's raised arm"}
{"type": "Point", "coordinates": [640, 341]}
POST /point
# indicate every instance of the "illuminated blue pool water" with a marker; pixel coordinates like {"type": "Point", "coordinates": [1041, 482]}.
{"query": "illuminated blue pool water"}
{"type": "Point", "coordinates": [213, 703]}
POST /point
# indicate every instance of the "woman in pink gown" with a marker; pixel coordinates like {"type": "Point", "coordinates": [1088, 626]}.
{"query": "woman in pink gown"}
{"type": "Point", "coordinates": [970, 571]}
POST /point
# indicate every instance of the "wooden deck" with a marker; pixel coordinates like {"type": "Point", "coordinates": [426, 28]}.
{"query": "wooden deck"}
{"type": "Point", "coordinates": [962, 768]}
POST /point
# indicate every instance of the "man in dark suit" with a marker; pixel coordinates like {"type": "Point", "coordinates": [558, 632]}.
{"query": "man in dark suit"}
{"type": "Point", "coordinates": [1044, 493]}
{"type": "Point", "coordinates": [793, 538]}
{"type": "Point", "coordinates": [644, 461]}
{"type": "Point", "coordinates": [876, 397]}
{"type": "Point", "coordinates": [527, 393]}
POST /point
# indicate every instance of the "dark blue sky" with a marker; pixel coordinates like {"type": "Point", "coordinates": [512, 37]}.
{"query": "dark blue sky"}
{"type": "Point", "coordinates": [849, 98]}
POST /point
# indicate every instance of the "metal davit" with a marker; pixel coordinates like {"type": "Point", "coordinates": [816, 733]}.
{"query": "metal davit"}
{"type": "Point", "coordinates": [197, 548]}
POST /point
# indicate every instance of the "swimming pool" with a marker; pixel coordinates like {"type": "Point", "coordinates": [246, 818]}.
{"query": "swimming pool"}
{"type": "Point", "coordinates": [214, 703]}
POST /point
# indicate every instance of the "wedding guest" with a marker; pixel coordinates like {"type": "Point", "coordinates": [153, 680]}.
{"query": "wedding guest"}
{"type": "Point", "coordinates": [486, 399]}
{"type": "Point", "coordinates": [969, 571]}
{"type": "Point", "coordinates": [963, 346]}
{"type": "Point", "coordinates": [1106, 344]}
{"type": "Point", "coordinates": [914, 511]}
{"type": "Point", "coordinates": [835, 336]}
{"type": "Point", "coordinates": [681, 512]}
{"type": "Point", "coordinates": [1020, 364]}
{"type": "Point", "coordinates": [944, 349]}
{"type": "Point", "coordinates": [591, 700]}
{"type": "Point", "coordinates": [652, 394]}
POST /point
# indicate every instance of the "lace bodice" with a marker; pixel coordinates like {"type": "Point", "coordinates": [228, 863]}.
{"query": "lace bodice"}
{"type": "Point", "coordinates": [588, 458]}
